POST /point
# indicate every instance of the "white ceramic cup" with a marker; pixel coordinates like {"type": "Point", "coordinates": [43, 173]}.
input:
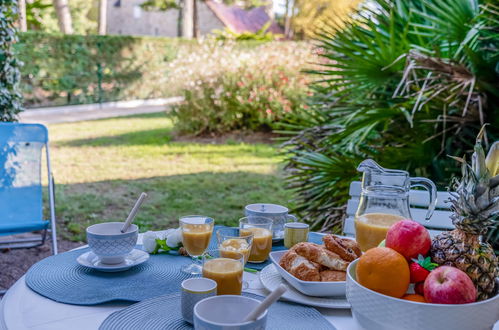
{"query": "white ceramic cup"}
{"type": "Point", "coordinates": [108, 242]}
{"type": "Point", "coordinates": [193, 291]}
{"type": "Point", "coordinates": [226, 313]}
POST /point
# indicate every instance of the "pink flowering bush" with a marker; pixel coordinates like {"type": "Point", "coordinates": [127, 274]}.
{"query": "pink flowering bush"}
{"type": "Point", "coordinates": [233, 88]}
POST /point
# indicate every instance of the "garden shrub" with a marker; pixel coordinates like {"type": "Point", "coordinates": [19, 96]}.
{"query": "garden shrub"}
{"type": "Point", "coordinates": [229, 88]}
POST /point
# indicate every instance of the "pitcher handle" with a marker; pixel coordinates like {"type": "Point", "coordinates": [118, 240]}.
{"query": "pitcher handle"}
{"type": "Point", "coordinates": [292, 217]}
{"type": "Point", "coordinates": [432, 190]}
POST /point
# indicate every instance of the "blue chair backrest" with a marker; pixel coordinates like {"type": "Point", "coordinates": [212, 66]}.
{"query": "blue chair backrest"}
{"type": "Point", "coordinates": [21, 147]}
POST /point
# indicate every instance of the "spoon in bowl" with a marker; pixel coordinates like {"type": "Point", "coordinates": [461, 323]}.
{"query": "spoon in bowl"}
{"type": "Point", "coordinates": [133, 212]}
{"type": "Point", "coordinates": [271, 298]}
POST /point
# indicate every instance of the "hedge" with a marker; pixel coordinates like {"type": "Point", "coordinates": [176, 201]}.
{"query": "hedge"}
{"type": "Point", "coordinates": [10, 98]}
{"type": "Point", "coordinates": [76, 69]}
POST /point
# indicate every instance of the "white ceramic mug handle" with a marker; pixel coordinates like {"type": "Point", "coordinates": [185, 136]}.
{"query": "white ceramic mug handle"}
{"type": "Point", "coordinates": [292, 217]}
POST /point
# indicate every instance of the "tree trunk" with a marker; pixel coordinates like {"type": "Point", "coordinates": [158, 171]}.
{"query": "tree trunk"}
{"type": "Point", "coordinates": [195, 20]}
{"type": "Point", "coordinates": [180, 21]}
{"type": "Point", "coordinates": [188, 19]}
{"type": "Point", "coordinates": [287, 19]}
{"type": "Point", "coordinates": [23, 25]}
{"type": "Point", "coordinates": [291, 16]}
{"type": "Point", "coordinates": [63, 16]}
{"type": "Point", "coordinates": [102, 17]}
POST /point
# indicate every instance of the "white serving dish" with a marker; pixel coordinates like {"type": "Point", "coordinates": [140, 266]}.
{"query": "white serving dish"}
{"type": "Point", "coordinates": [271, 279]}
{"type": "Point", "coordinates": [375, 311]}
{"type": "Point", "coordinates": [309, 288]}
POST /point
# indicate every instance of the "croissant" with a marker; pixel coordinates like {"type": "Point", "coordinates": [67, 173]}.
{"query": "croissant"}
{"type": "Point", "coordinates": [299, 267]}
{"type": "Point", "coordinates": [320, 255]}
{"type": "Point", "coordinates": [347, 249]}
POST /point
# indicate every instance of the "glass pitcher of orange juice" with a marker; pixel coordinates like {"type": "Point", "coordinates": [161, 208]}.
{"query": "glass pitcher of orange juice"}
{"type": "Point", "coordinates": [384, 200]}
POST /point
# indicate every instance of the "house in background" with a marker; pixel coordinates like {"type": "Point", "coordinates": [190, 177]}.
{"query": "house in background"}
{"type": "Point", "coordinates": [127, 17]}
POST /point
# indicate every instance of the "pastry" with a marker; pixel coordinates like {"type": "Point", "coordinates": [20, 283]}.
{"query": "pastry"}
{"type": "Point", "coordinates": [333, 276]}
{"type": "Point", "coordinates": [299, 267]}
{"type": "Point", "coordinates": [317, 253]}
{"type": "Point", "coordinates": [346, 248]}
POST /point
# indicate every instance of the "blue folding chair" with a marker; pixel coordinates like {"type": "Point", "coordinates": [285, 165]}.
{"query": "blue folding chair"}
{"type": "Point", "coordinates": [21, 200]}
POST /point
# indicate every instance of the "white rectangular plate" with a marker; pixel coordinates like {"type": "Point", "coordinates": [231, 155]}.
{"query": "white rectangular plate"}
{"type": "Point", "coordinates": [315, 289]}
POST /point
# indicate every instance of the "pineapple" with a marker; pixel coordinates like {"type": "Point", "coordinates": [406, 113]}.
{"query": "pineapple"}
{"type": "Point", "coordinates": [475, 207]}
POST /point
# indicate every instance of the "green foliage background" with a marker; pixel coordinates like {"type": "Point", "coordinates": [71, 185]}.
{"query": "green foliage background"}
{"type": "Point", "coordinates": [73, 69]}
{"type": "Point", "coordinates": [407, 83]}
{"type": "Point", "coordinates": [79, 69]}
{"type": "Point", "coordinates": [10, 98]}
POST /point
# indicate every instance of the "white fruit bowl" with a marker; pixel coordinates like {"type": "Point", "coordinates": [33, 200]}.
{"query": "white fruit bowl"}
{"type": "Point", "coordinates": [310, 288]}
{"type": "Point", "coordinates": [374, 311]}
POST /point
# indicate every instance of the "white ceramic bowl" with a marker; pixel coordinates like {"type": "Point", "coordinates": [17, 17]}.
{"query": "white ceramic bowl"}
{"type": "Point", "coordinates": [226, 312]}
{"type": "Point", "coordinates": [315, 289]}
{"type": "Point", "coordinates": [375, 311]}
{"type": "Point", "coordinates": [108, 242]}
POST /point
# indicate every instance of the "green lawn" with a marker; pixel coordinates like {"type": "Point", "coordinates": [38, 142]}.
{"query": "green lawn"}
{"type": "Point", "coordinates": [101, 167]}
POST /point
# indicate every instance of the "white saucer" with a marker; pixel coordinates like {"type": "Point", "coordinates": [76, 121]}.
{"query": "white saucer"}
{"type": "Point", "coordinates": [271, 279]}
{"type": "Point", "coordinates": [134, 258]}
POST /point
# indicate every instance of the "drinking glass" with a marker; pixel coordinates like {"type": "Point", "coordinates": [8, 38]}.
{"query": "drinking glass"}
{"type": "Point", "coordinates": [232, 240]}
{"type": "Point", "coordinates": [196, 236]}
{"type": "Point", "coordinates": [226, 270]}
{"type": "Point", "coordinates": [261, 227]}
{"type": "Point", "coordinates": [294, 233]}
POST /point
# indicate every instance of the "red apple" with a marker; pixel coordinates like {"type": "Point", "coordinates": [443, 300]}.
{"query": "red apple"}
{"type": "Point", "coordinates": [408, 238]}
{"type": "Point", "coordinates": [449, 285]}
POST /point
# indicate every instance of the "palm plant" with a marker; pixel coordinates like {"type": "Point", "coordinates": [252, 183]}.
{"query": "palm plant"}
{"type": "Point", "coordinates": [406, 83]}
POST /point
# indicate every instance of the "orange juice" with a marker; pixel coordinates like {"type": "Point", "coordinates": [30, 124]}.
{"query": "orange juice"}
{"type": "Point", "coordinates": [262, 243]}
{"type": "Point", "coordinates": [228, 273]}
{"type": "Point", "coordinates": [196, 238]}
{"type": "Point", "coordinates": [230, 247]}
{"type": "Point", "coordinates": [371, 228]}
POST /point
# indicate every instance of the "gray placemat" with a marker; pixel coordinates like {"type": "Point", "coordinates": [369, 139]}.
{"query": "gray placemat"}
{"type": "Point", "coordinates": [164, 313]}
{"type": "Point", "coordinates": [62, 279]}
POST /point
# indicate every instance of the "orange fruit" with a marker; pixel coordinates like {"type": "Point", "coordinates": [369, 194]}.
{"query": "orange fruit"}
{"type": "Point", "coordinates": [383, 270]}
{"type": "Point", "coordinates": [414, 297]}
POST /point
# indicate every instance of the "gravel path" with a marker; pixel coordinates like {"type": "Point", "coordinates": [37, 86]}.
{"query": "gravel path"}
{"type": "Point", "coordinates": [14, 263]}
{"type": "Point", "coordinates": [72, 113]}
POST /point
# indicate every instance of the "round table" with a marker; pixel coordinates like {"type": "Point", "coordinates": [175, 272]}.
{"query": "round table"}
{"type": "Point", "coordinates": [21, 308]}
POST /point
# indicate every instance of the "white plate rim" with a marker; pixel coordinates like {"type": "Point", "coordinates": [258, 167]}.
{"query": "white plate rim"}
{"type": "Point", "coordinates": [295, 296]}
{"type": "Point", "coordinates": [83, 261]}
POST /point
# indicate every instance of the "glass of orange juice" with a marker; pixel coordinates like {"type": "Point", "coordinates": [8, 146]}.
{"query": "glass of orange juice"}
{"type": "Point", "coordinates": [226, 270]}
{"type": "Point", "coordinates": [196, 236]}
{"type": "Point", "coordinates": [261, 228]}
{"type": "Point", "coordinates": [231, 240]}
